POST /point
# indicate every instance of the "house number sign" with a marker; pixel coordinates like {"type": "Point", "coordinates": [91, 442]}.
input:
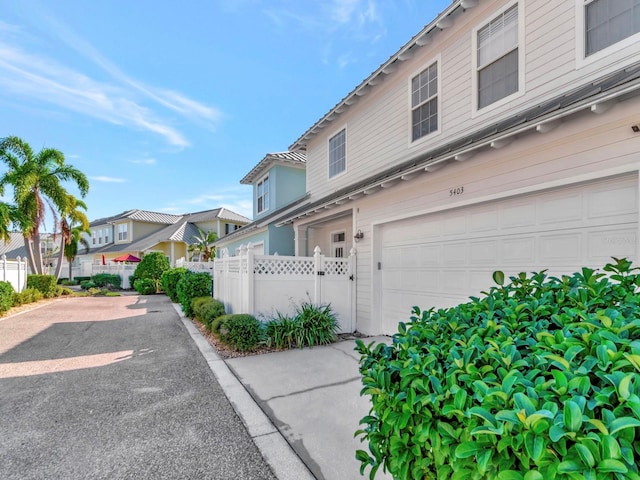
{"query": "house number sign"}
{"type": "Point", "coordinates": [456, 191]}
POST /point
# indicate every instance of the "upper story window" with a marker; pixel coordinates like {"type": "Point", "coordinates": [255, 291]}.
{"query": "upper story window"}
{"type": "Point", "coordinates": [424, 102]}
{"type": "Point", "coordinates": [338, 153]}
{"type": "Point", "coordinates": [262, 194]}
{"type": "Point", "coordinates": [609, 21]}
{"type": "Point", "coordinates": [94, 236]}
{"type": "Point", "coordinates": [497, 58]}
{"type": "Point", "coordinates": [122, 231]}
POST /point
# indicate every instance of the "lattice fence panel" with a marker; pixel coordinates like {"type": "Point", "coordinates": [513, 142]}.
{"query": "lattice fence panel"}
{"type": "Point", "coordinates": [283, 266]}
{"type": "Point", "coordinates": [336, 266]}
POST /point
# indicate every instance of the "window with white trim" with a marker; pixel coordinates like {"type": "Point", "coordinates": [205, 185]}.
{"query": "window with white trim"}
{"type": "Point", "coordinates": [94, 236]}
{"type": "Point", "coordinates": [497, 58]}
{"type": "Point", "coordinates": [607, 22]}
{"type": "Point", "coordinates": [122, 231]}
{"type": "Point", "coordinates": [338, 153]}
{"type": "Point", "coordinates": [262, 195]}
{"type": "Point", "coordinates": [338, 244]}
{"type": "Point", "coordinates": [424, 102]}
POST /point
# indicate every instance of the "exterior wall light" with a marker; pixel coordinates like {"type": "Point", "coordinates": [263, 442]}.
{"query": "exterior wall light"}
{"type": "Point", "coordinates": [358, 236]}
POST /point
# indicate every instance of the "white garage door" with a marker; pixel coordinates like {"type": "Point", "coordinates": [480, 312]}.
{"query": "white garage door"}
{"type": "Point", "coordinates": [441, 259]}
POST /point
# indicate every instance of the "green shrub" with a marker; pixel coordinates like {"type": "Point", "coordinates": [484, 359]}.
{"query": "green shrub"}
{"type": "Point", "coordinates": [316, 325]}
{"type": "Point", "coordinates": [206, 310]}
{"type": "Point", "coordinates": [210, 311]}
{"type": "Point", "coordinates": [80, 279]}
{"type": "Point", "coordinates": [281, 332]}
{"type": "Point", "coordinates": [107, 280]}
{"type": "Point", "coordinates": [192, 285]}
{"type": "Point", "coordinates": [145, 286]}
{"type": "Point", "coordinates": [218, 326]}
{"type": "Point", "coordinates": [28, 295]}
{"type": "Point", "coordinates": [152, 266]}
{"type": "Point", "coordinates": [169, 281]}
{"type": "Point", "coordinates": [47, 284]}
{"type": "Point", "coordinates": [87, 284]}
{"type": "Point", "coordinates": [243, 332]}
{"type": "Point", "coordinates": [537, 380]}
{"type": "Point", "coordinates": [6, 296]}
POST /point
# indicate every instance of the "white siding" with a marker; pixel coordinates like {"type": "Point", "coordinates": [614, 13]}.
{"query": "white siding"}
{"type": "Point", "coordinates": [378, 124]}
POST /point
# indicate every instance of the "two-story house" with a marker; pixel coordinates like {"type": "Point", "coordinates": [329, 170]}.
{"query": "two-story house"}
{"type": "Point", "coordinates": [278, 182]}
{"type": "Point", "coordinates": [505, 135]}
{"type": "Point", "coordinates": [140, 231]}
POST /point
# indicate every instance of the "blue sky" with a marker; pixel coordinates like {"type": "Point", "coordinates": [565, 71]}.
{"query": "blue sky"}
{"type": "Point", "coordinates": [165, 106]}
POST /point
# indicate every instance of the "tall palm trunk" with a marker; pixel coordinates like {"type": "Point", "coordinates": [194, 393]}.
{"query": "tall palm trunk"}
{"type": "Point", "coordinates": [70, 271]}
{"type": "Point", "coordinates": [30, 258]}
{"type": "Point", "coordinates": [37, 252]}
{"type": "Point", "coordinates": [60, 258]}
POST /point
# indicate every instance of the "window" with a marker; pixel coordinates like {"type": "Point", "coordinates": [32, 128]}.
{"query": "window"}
{"type": "Point", "coordinates": [497, 58]}
{"type": "Point", "coordinates": [424, 102]}
{"type": "Point", "coordinates": [263, 195]}
{"type": "Point", "coordinates": [122, 231]}
{"type": "Point", "coordinates": [93, 238]}
{"type": "Point", "coordinates": [337, 153]}
{"type": "Point", "coordinates": [338, 244]}
{"type": "Point", "coordinates": [609, 21]}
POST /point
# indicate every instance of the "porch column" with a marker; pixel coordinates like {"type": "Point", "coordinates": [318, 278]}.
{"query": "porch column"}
{"type": "Point", "coordinates": [300, 240]}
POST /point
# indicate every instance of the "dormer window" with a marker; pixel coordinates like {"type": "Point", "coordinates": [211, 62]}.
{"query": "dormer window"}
{"type": "Point", "coordinates": [262, 195]}
{"type": "Point", "coordinates": [122, 232]}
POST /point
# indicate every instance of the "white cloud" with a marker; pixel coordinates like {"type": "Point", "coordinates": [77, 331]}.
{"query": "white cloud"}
{"type": "Point", "coordinates": [144, 161]}
{"type": "Point", "coordinates": [120, 99]}
{"type": "Point", "coordinates": [108, 179]}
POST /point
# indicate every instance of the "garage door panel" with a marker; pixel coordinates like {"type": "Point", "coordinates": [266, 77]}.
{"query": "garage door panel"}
{"type": "Point", "coordinates": [518, 250]}
{"type": "Point", "coordinates": [613, 202]}
{"type": "Point", "coordinates": [430, 255]}
{"type": "Point", "coordinates": [518, 215]}
{"type": "Point", "coordinates": [455, 224]}
{"type": "Point", "coordinates": [560, 249]}
{"type": "Point", "coordinates": [454, 253]}
{"type": "Point", "coordinates": [484, 252]}
{"type": "Point", "coordinates": [483, 221]}
{"type": "Point", "coordinates": [619, 243]}
{"type": "Point", "coordinates": [560, 210]}
{"type": "Point", "coordinates": [559, 230]}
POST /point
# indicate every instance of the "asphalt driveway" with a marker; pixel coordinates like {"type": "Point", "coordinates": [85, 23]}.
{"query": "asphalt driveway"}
{"type": "Point", "coordinates": [113, 387]}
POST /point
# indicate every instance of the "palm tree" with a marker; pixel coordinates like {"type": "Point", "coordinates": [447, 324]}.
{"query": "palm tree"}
{"type": "Point", "coordinates": [72, 217]}
{"type": "Point", "coordinates": [9, 215]}
{"type": "Point", "coordinates": [204, 245]}
{"type": "Point", "coordinates": [36, 181]}
{"type": "Point", "coordinates": [71, 248]}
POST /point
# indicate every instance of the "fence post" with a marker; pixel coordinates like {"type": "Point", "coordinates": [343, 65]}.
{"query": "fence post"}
{"type": "Point", "coordinates": [4, 267]}
{"type": "Point", "coordinates": [318, 260]}
{"type": "Point", "coordinates": [242, 279]}
{"type": "Point", "coordinates": [250, 279]}
{"type": "Point", "coordinates": [352, 288]}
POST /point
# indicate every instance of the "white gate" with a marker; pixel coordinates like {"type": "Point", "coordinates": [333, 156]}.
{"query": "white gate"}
{"type": "Point", "coordinates": [265, 285]}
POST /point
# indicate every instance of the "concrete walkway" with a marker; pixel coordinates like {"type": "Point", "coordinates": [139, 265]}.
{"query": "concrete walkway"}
{"type": "Point", "coordinates": [114, 388]}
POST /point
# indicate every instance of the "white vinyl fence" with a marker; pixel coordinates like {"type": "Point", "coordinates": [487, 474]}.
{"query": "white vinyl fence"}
{"type": "Point", "coordinates": [122, 269]}
{"type": "Point", "coordinates": [264, 285]}
{"type": "Point", "coordinates": [196, 266]}
{"type": "Point", "coordinates": [14, 272]}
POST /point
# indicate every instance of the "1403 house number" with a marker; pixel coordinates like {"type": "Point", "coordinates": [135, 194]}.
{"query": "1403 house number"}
{"type": "Point", "coordinates": [454, 192]}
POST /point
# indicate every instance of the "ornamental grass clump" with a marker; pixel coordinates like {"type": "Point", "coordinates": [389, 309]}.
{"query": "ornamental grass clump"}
{"type": "Point", "coordinates": [535, 380]}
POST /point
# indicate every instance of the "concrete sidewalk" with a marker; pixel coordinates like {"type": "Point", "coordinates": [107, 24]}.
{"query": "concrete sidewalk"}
{"type": "Point", "coordinates": [309, 397]}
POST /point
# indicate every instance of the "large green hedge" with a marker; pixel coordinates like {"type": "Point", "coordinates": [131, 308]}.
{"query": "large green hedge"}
{"type": "Point", "coordinates": [6, 296]}
{"type": "Point", "coordinates": [190, 286]}
{"type": "Point", "coordinates": [537, 380]}
{"type": "Point", "coordinates": [152, 266]}
{"type": "Point", "coordinates": [169, 281]}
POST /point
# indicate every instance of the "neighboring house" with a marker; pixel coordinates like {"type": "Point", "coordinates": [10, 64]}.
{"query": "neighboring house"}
{"type": "Point", "coordinates": [278, 182]}
{"type": "Point", "coordinates": [504, 135]}
{"type": "Point", "coordinates": [49, 246]}
{"type": "Point", "coordinates": [139, 231]}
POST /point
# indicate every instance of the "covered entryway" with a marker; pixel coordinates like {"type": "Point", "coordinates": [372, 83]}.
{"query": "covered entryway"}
{"type": "Point", "coordinates": [442, 258]}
